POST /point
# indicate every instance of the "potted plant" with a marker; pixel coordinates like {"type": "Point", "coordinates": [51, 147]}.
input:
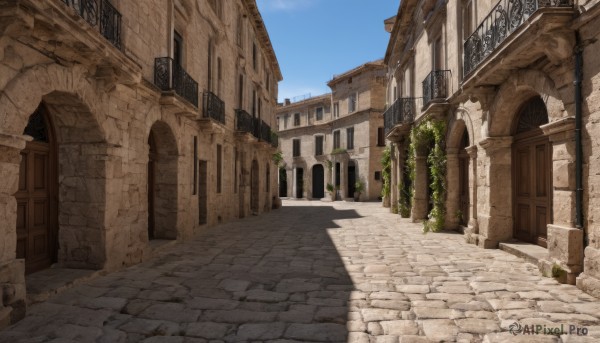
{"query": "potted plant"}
{"type": "Point", "coordinates": [331, 190]}
{"type": "Point", "coordinates": [359, 187]}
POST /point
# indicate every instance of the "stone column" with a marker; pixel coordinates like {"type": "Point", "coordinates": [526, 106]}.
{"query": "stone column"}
{"type": "Point", "coordinates": [343, 179]}
{"type": "Point", "coordinates": [496, 219]}
{"type": "Point", "coordinates": [453, 191]}
{"type": "Point", "coordinates": [565, 241]}
{"type": "Point", "coordinates": [12, 271]}
{"type": "Point", "coordinates": [472, 232]}
{"type": "Point", "coordinates": [294, 182]}
{"type": "Point", "coordinates": [420, 200]}
{"type": "Point", "coordinates": [394, 179]}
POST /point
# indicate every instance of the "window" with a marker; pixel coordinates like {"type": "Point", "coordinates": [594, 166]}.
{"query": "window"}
{"type": "Point", "coordinates": [296, 147]}
{"type": "Point", "coordinates": [254, 102]}
{"type": "Point", "coordinates": [219, 167]}
{"type": "Point", "coordinates": [336, 139]}
{"type": "Point", "coordinates": [377, 176]}
{"type": "Point", "coordinates": [216, 7]}
{"type": "Point", "coordinates": [352, 103]}
{"type": "Point", "coordinates": [240, 30]}
{"type": "Point", "coordinates": [336, 110]}
{"type": "Point", "coordinates": [195, 164]}
{"type": "Point", "coordinates": [241, 92]}
{"type": "Point", "coordinates": [350, 138]}
{"type": "Point", "coordinates": [438, 58]}
{"type": "Point", "coordinates": [177, 48]}
{"type": "Point", "coordinates": [319, 113]}
{"type": "Point", "coordinates": [210, 66]}
{"type": "Point", "coordinates": [254, 56]}
{"type": "Point", "coordinates": [219, 76]}
{"type": "Point", "coordinates": [380, 136]}
{"type": "Point", "coordinates": [285, 121]}
{"type": "Point", "coordinates": [467, 19]}
{"type": "Point", "coordinates": [318, 145]}
{"type": "Point", "coordinates": [296, 119]}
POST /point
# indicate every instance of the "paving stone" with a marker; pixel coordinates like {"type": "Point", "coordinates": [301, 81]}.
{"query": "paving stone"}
{"type": "Point", "coordinates": [212, 304]}
{"type": "Point", "coordinates": [208, 330]}
{"type": "Point", "coordinates": [358, 337]}
{"type": "Point", "coordinates": [413, 339]}
{"type": "Point", "coordinates": [316, 332]}
{"type": "Point", "coordinates": [391, 304]}
{"type": "Point", "coordinates": [260, 331]}
{"type": "Point", "coordinates": [399, 327]}
{"type": "Point", "coordinates": [507, 337]}
{"type": "Point", "coordinates": [375, 315]}
{"type": "Point", "coordinates": [478, 326]}
{"type": "Point", "coordinates": [238, 316]}
{"type": "Point", "coordinates": [386, 339]}
{"type": "Point", "coordinates": [266, 296]}
{"type": "Point", "coordinates": [387, 296]}
{"type": "Point", "coordinates": [172, 312]}
{"type": "Point", "coordinates": [481, 287]}
{"type": "Point", "coordinates": [331, 314]}
{"type": "Point", "coordinates": [507, 304]}
{"type": "Point", "coordinates": [374, 329]}
{"type": "Point", "coordinates": [420, 289]}
{"type": "Point", "coordinates": [437, 313]}
{"type": "Point", "coordinates": [440, 329]}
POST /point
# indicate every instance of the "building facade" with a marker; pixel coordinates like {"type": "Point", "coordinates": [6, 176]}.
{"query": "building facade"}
{"type": "Point", "coordinates": [335, 138]}
{"type": "Point", "coordinates": [124, 122]}
{"type": "Point", "coordinates": [504, 95]}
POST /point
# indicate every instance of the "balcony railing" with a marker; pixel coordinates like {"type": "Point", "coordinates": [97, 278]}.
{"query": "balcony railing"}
{"type": "Point", "coordinates": [101, 15]}
{"type": "Point", "coordinates": [435, 86]}
{"type": "Point", "coordinates": [169, 75]}
{"type": "Point", "coordinates": [401, 112]}
{"type": "Point", "coordinates": [504, 19]}
{"type": "Point", "coordinates": [244, 121]}
{"type": "Point", "coordinates": [214, 107]}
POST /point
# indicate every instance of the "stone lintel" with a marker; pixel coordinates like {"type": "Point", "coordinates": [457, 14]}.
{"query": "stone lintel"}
{"type": "Point", "coordinates": [560, 130]}
{"type": "Point", "coordinates": [14, 141]}
{"type": "Point", "coordinates": [492, 145]}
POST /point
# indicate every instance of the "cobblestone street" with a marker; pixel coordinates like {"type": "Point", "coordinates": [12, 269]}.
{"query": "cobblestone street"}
{"type": "Point", "coordinates": [316, 272]}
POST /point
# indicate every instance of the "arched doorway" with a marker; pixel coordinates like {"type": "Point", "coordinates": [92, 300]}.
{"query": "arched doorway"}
{"type": "Point", "coordinates": [318, 181]}
{"type": "Point", "coordinates": [463, 180]}
{"type": "Point", "coordinates": [162, 182]}
{"type": "Point", "coordinates": [282, 183]}
{"type": "Point", "coordinates": [254, 184]}
{"type": "Point", "coordinates": [37, 210]}
{"type": "Point", "coordinates": [532, 167]}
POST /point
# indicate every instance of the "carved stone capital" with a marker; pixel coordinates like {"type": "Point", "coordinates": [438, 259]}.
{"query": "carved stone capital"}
{"type": "Point", "coordinates": [484, 96]}
{"type": "Point", "coordinates": [493, 144]}
{"type": "Point", "coordinates": [560, 130]}
{"type": "Point", "coordinates": [472, 151]}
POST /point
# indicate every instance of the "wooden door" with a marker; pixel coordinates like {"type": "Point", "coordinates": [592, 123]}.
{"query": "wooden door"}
{"type": "Point", "coordinates": [532, 189]}
{"type": "Point", "coordinates": [318, 181]}
{"type": "Point", "coordinates": [37, 212]}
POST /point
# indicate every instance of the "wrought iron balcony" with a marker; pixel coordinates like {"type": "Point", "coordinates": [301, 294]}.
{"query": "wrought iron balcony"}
{"type": "Point", "coordinates": [101, 15]}
{"type": "Point", "coordinates": [265, 132]}
{"type": "Point", "coordinates": [435, 86]}
{"type": "Point", "coordinates": [244, 121]}
{"type": "Point", "coordinates": [504, 19]}
{"type": "Point", "coordinates": [214, 107]}
{"type": "Point", "coordinates": [170, 76]}
{"type": "Point", "coordinates": [401, 112]}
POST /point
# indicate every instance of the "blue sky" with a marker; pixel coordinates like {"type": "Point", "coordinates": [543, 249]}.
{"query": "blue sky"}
{"type": "Point", "coordinates": [315, 39]}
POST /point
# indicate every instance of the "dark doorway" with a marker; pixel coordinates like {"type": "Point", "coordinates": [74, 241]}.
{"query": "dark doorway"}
{"type": "Point", "coordinates": [532, 166]}
{"type": "Point", "coordinates": [351, 179]}
{"type": "Point", "coordinates": [254, 196]}
{"type": "Point", "coordinates": [37, 210]}
{"type": "Point", "coordinates": [203, 192]}
{"type": "Point", "coordinates": [283, 183]}
{"type": "Point", "coordinates": [318, 181]}
{"type": "Point", "coordinates": [299, 183]}
{"type": "Point", "coordinates": [463, 180]}
{"type": "Point", "coordinates": [152, 158]}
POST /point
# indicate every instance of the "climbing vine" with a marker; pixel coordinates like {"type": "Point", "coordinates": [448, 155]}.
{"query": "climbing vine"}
{"type": "Point", "coordinates": [432, 134]}
{"type": "Point", "coordinates": [386, 171]}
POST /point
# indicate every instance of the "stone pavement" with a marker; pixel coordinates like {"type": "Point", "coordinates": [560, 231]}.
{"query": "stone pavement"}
{"type": "Point", "coordinates": [313, 271]}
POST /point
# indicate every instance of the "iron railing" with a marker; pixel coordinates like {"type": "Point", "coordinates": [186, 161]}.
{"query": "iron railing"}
{"type": "Point", "coordinates": [244, 121]}
{"type": "Point", "coordinates": [265, 132]}
{"type": "Point", "coordinates": [214, 107]}
{"type": "Point", "coordinates": [169, 75]}
{"type": "Point", "coordinates": [403, 111]}
{"type": "Point", "coordinates": [435, 86]}
{"type": "Point", "coordinates": [504, 19]}
{"type": "Point", "coordinates": [102, 15]}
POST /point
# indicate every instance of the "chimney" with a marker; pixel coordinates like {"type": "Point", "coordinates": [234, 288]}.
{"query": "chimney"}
{"type": "Point", "coordinates": [287, 102]}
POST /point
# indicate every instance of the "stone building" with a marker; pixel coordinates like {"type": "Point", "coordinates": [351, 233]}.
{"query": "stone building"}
{"type": "Point", "coordinates": [335, 138]}
{"type": "Point", "coordinates": [127, 122]}
{"type": "Point", "coordinates": [515, 86]}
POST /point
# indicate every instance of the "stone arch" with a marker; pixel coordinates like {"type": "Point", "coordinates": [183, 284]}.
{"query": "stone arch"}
{"type": "Point", "coordinates": [163, 182]}
{"type": "Point", "coordinates": [82, 153]}
{"type": "Point", "coordinates": [458, 173]}
{"type": "Point", "coordinates": [460, 121]}
{"type": "Point", "coordinates": [515, 92]}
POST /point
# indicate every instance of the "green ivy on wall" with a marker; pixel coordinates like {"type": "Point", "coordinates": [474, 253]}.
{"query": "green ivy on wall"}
{"type": "Point", "coordinates": [386, 171]}
{"type": "Point", "coordinates": [431, 133]}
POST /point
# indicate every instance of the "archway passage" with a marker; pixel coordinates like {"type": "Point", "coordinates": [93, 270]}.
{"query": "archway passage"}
{"type": "Point", "coordinates": [162, 182]}
{"type": "Point", "coordinates": [318, 181]}
{"type": "Point", "coordinates": [37, 211]}
{"type": "Point", "coordinates": [299, 183]}
{"type": "Point", "coordinates": [463, 180]}
{"type": "Point", "coordinates": [254, 196]}
{"type": "Point", "coordinates": [532, 166]}
{"type": "Point", "coordinates": [282, 183]}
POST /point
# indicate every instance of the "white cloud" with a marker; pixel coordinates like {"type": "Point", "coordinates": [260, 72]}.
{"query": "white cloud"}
{"type": "Point", "coordinates": [285, 5]}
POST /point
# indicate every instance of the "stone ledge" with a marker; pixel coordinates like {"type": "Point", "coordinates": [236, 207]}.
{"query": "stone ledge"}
{"type": "Point", "coordinates": [529, 252]}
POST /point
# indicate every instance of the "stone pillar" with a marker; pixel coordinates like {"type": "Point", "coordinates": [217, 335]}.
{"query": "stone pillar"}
{"type": "Point", "coordinates": [472, 232]}
{"type": "Point", "coordinates": [294, 182]}
{"type": "Point", "coordinates": [394, 178]}
{"type": "Point", "coordinates": [453, 191]}
{"type": "Point", "coordinates": [495, 218]}
{"type": "Point", "coordinates": [420, 200]}
{"type": "Point", "coordinates": [565, 241]}
{"type": "Point", "coordinates": [12, 271]}
{"type": "Point", "coordinates": [343, 179]}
